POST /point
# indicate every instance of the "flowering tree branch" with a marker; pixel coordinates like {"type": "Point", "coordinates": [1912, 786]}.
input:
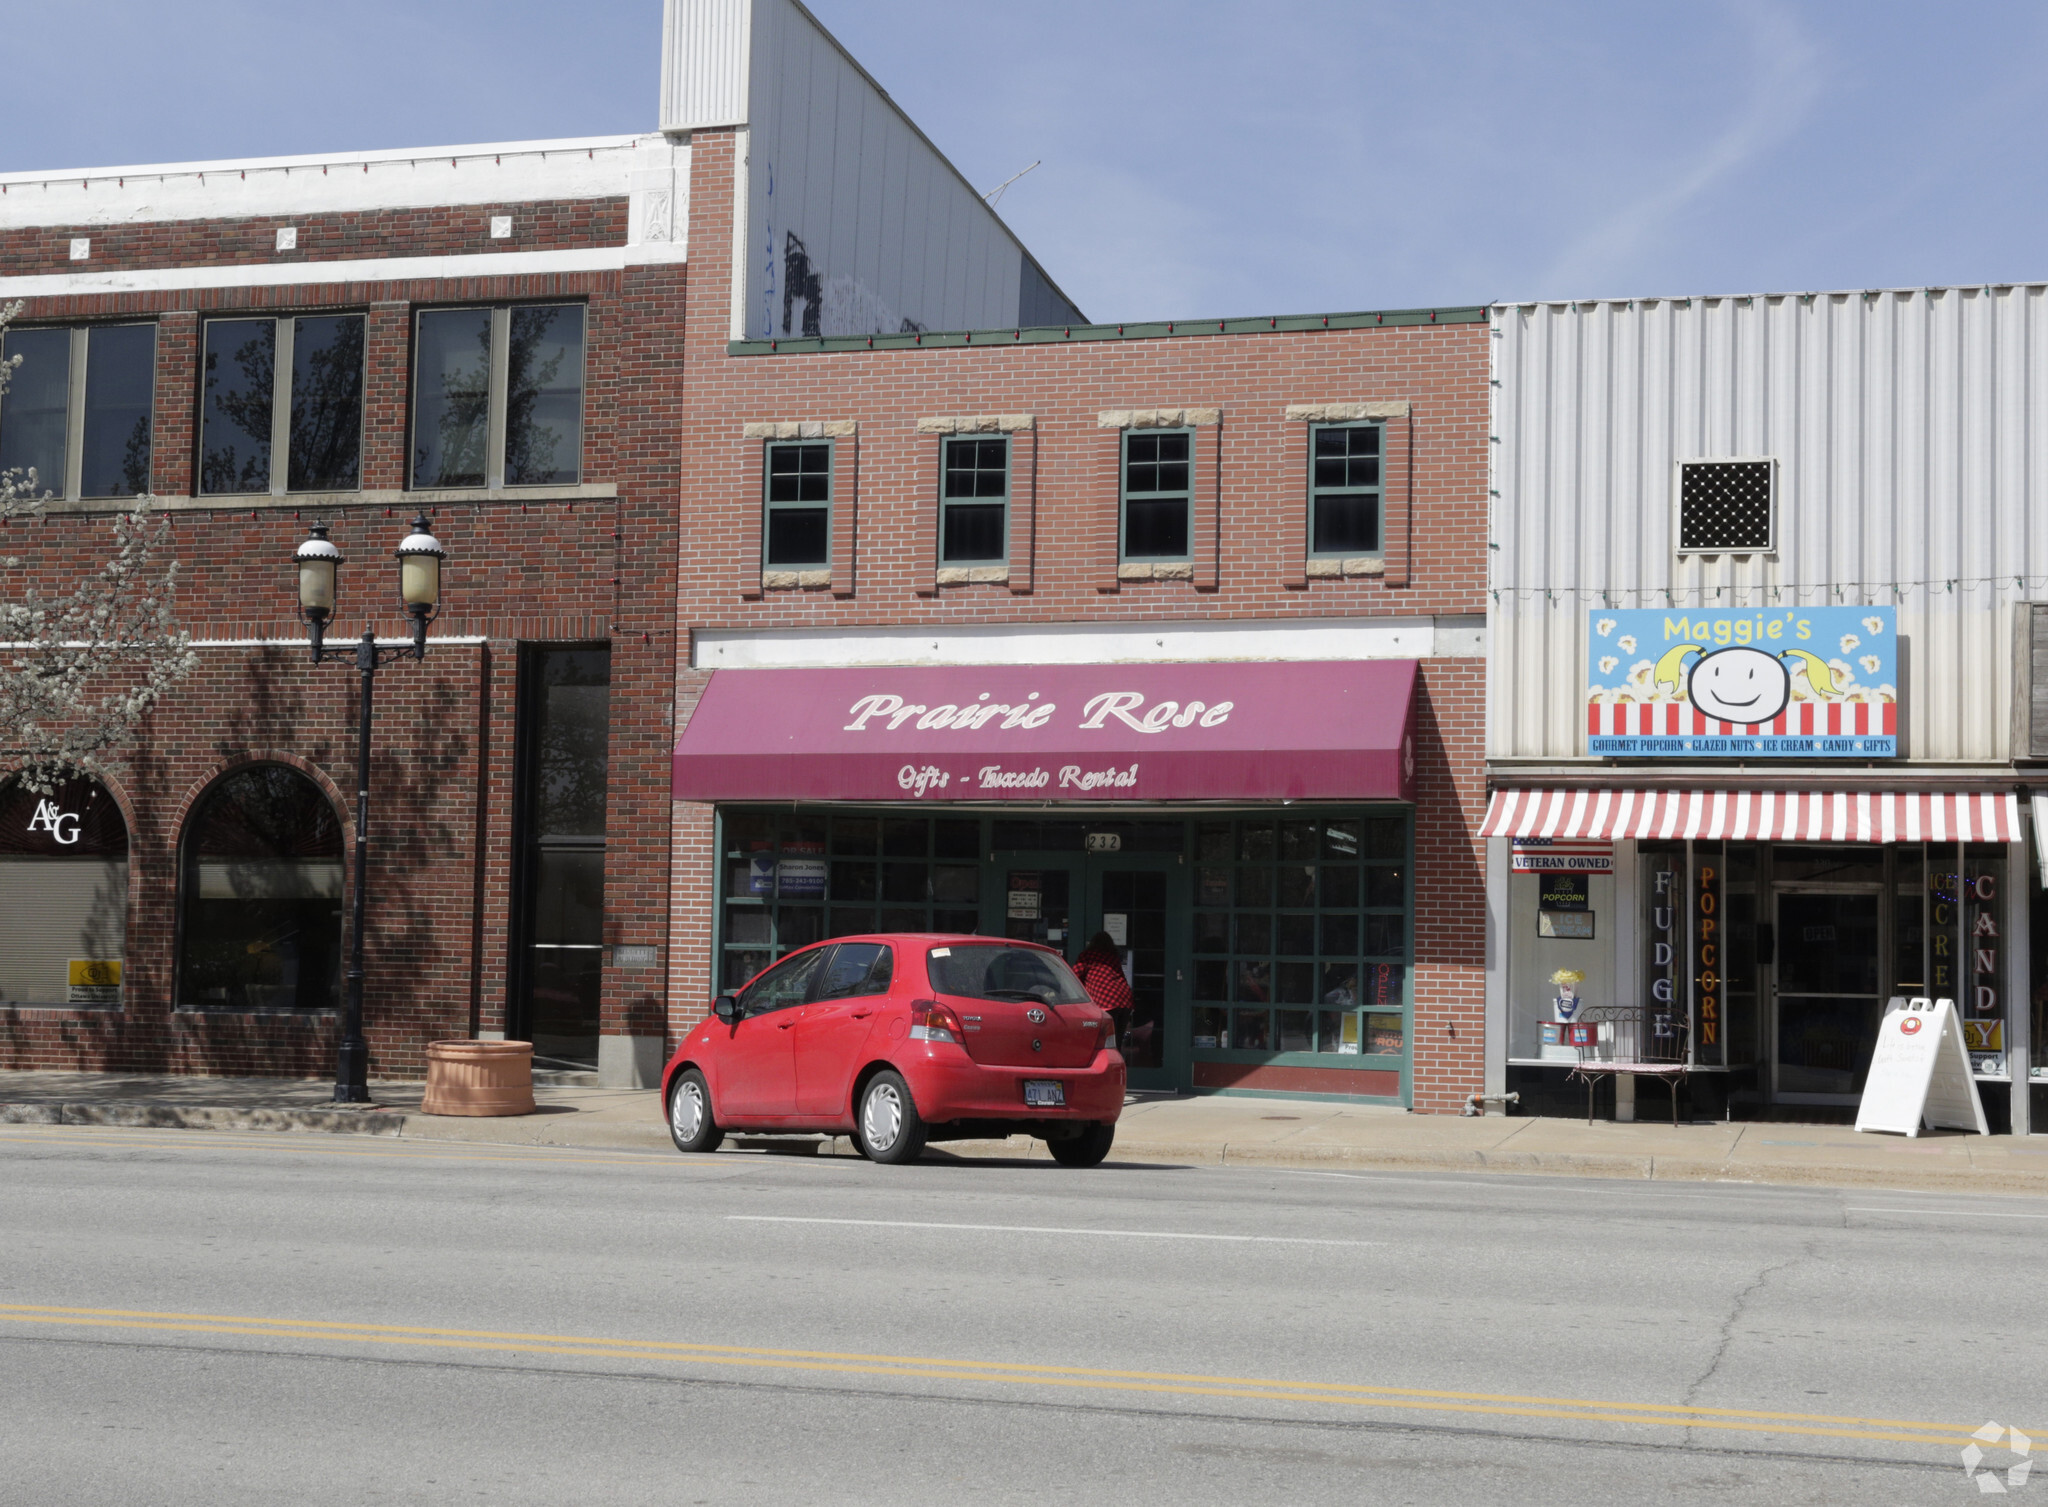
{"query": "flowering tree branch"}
{"type": "Point", "coordinates": [80, 669]}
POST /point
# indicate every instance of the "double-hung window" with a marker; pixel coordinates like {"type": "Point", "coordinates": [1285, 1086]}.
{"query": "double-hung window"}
{"type": "Point", "coordinates": [79, 408]}
{"type": "Point", "coordinates": [281, 405]}
{"type": "Point", "coordinates": [798, 525]}
{"type": "Point", "coordinates": [1344, 490]}
{"type": "Point", "coordinates": [498, 397]}
{"type": "Point", "coordinates": [975, 508]}
{"type": "Point", "coordinates": [1158, 480]}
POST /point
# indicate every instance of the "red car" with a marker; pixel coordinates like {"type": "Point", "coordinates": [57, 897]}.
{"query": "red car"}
{"type": "Point", "coordinates": [903, 1039]}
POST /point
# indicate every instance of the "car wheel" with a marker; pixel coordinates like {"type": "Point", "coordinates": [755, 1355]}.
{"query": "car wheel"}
{"type": "Point", "coordinates": [690, 1124]}
{"type": "Point", "coordinates": [1084, 1150]}
{"type": "Point", "coordinates": [889, 1128]}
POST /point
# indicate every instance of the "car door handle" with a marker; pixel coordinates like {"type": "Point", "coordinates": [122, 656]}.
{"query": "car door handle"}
{"type": "Point", "coordinates": [784, 1025]}
{"type": "Point", "coordinates": [862, 1014]}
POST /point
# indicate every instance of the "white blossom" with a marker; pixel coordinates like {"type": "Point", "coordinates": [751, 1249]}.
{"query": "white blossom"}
{"type": "Point", "coordinates": [81, 669]}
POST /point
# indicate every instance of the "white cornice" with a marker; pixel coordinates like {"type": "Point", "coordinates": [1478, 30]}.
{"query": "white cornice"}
{"type": "Point", "coordinates": [355, 270]}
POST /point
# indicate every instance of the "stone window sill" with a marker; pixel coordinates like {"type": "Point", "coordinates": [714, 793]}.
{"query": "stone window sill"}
{"type": "Point", "coordinates": [1356, 565]}
{"type": "Point", "coordinates": [1158, 570]}
{"type": "Point", "coordinates": [795, 580]}
{"type": "Point", "coordinates": [970, 575]}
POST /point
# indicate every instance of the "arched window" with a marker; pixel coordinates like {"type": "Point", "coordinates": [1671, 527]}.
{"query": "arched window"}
{"type": "Point", "coordinates": [261, 920]}
{"type": "Point", "coordinates": [63, 895]}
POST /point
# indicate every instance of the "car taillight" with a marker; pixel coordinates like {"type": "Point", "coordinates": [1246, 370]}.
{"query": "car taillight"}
{"type": "Point", "coordinates": [932, 1021]}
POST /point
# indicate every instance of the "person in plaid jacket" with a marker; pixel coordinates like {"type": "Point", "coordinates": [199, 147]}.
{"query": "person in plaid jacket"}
{"type": "Point", "coordinates": [1100, 968]}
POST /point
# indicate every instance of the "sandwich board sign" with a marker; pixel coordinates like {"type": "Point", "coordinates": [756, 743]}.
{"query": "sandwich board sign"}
{"type": "Point", "coordinates": [1920, 1072]}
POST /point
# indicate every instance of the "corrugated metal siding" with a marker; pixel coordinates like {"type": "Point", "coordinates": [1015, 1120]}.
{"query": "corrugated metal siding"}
{"type": "Point", "coordinates": [888, 226]}
{"type": "Point", "coordinates": [704, 63]}
{"type": "Point", "coordinates": [1912, 446]}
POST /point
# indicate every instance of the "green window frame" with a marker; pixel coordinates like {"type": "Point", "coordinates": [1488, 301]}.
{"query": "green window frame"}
{"type": "Point", "coordinates": [974, 500]}
{"type": "Point", "coordinates": [789, 880]}
{"type": "Point", "coordinates": [1156, 508]}
{"type": "Point", "coordinates": [1301, 935]}
{"type": "Point", "coordinates": [796, 523]}
{"type": "Point", "coordinates": [1347, 512]}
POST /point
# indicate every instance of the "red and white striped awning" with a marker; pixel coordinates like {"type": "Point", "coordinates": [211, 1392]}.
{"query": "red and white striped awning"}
{"type": "Point", "coordinates": [1756, 815]}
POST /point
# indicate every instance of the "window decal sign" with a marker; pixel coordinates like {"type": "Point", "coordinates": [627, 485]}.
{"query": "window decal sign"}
{"type": "Point", "coordinates": [1742, 683]}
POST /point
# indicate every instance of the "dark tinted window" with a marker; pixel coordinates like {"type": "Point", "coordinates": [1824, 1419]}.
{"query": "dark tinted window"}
{"type": "Point", "coordinates": [262, 895]}
{"type": "Point", "coordinates": [857, 968]}
{"type": "Point", "coordinates": [1157, 472]}
{"type": "Point", "coordinates": [451, 397]}
{"type": "Point", "coordinates": [799, 521]}
{"type": "Point", "coordinates": [33, 410]}
{"type": "Point", "coordinates": [994, 972]}
{"type": "Point", "coordinates": [544, 397]}
{"type": "Point", "coordinates": [787, 983]}
{"type": "Point", "coordinates": [327, 404]}
{"type": "Point", "coordinates": [120, 390]}
{"type": "Point", "coordinates": [240, 367]}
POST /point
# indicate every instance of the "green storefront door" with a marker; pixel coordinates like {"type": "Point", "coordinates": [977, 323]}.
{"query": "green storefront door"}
{"type": "Point", "coordinates": [1062, 899]}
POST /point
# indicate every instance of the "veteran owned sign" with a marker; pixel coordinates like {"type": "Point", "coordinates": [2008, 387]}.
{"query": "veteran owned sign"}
{"type": "Point", "coordinates": [1788, 682]}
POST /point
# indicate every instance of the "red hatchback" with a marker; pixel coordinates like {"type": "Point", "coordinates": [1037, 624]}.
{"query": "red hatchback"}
{"type": "Point", "coordinates": [903, 1039]}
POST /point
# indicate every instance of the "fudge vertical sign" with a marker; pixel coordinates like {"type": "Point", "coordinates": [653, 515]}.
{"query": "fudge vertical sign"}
{"type": "Point", "coordinates": [1788, 682]}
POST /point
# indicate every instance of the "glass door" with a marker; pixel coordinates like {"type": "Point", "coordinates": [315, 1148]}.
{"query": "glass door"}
{"type": "Point", "coordinates": [558, 932]}
{"type": "Point", "coordinates": [1064, 899]}
{"type": "Point", "coordinates": [1133, 898]}
{"type": "Point", "coordinates": [1829, 996]}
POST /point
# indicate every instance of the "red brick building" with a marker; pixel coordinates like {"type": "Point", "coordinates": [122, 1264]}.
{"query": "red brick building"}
{"type": "Point", "coordinates": [1216, 586]}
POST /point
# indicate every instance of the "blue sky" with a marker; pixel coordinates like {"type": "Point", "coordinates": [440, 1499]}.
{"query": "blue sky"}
{"type": "Point", "coordinates": [1209, 158]}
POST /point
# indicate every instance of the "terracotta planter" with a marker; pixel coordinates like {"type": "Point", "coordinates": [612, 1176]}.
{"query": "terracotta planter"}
{"type": "Point", "coordinates": [479, 1078]}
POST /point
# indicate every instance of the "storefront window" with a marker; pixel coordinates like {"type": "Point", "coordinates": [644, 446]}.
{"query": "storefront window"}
{"type": "Point", "coordinates": [64, 894]}
{"type": "Point", "coordinates": [261, 911]}
{"type": "Point", "coordinates": [1301, 935]}
{"type": "Point", "coordinates": [792, 880]}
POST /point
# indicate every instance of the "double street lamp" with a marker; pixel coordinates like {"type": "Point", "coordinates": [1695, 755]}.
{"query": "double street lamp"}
{"type": "Point", "coordinates": [420, 557]}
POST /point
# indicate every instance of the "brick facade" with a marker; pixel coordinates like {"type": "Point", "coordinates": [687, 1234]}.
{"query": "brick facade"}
{"type": "Point", "coordinates": [1252, 460]}
{"type": "Point", "coordinates": [663, 540]}
{"type": "Point", "coordinates": [591, 563]}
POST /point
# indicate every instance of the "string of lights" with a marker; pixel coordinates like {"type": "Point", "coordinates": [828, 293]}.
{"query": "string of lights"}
{"type": "Point", "coordinates": [1846, 593]}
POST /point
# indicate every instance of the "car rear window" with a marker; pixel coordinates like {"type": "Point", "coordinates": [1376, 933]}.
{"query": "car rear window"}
{"type": "Point", "coordinates": [993, 971]}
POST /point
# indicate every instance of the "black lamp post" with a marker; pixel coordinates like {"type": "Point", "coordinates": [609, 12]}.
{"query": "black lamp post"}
{"type": "Point", "coordinates": [419, 583]}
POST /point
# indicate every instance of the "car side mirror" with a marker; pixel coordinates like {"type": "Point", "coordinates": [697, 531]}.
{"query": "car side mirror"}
{"type": "Point", "coordinates": [726, 1008]}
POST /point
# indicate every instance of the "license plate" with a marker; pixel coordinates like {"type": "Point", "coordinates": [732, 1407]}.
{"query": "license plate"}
{"type": "Point", "coordinates": [1045, 1095]}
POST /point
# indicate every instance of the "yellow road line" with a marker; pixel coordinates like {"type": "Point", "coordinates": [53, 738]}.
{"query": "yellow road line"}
{"type": "Point", "coordinates": [1012, 1373]}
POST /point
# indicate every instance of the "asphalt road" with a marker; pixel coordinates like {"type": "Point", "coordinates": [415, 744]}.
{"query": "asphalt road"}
{"type": "Point", "coordinates": [211, 1318]}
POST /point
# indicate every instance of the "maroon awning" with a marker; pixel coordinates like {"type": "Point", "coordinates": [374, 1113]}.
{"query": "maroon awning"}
{"type": "Point", "coordinates": [1153, 732]}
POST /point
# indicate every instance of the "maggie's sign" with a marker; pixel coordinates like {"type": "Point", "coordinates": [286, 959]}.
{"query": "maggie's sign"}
{"type": "Point", "coordinates": [1740, 683]}
{"type": "Point", "coordinates": [1053, 733]}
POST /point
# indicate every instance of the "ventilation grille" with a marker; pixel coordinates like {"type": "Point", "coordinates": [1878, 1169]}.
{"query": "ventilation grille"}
{"type": "Point", "coordinates": [1724, 505]}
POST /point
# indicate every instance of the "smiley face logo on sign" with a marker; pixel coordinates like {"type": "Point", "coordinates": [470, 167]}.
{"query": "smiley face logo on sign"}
{"type": "Point", "coordinates": [1910, 1026]}
{"type": "Point", "coordinates": [1740, 685]}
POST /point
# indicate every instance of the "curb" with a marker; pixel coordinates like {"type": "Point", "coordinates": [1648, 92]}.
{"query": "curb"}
{"type": "Point", "coordinates": [370, 1120]}
{"type": "Point", "coordinates": [376, 1120]}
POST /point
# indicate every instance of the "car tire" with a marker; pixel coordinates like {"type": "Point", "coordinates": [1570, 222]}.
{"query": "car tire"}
{"type": "Point", "coordinates": [690, 1122]}
{"type": "Point", "coordinates": [888, 1128]}
{"type": "Point", "coordinates": [1086, 1149]}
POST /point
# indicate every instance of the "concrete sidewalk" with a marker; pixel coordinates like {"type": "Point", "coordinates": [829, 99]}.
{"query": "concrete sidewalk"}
{"type": "Point", "coordinates": [1301, 1134]}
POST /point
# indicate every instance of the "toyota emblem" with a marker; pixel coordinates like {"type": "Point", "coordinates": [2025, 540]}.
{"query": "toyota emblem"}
{"type": "Point", "coordinates": [1036, 1017]}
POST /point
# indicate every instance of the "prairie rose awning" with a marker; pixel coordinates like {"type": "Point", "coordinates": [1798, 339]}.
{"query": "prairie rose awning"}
{"type": "Point", "coordinates": [1051, 733]}
{"type": "Point", "coordinates": [1756, 815]}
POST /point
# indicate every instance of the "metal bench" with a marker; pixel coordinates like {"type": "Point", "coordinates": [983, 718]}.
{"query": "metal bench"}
{"type": "Point", "coordinates": [1632, 1041]}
